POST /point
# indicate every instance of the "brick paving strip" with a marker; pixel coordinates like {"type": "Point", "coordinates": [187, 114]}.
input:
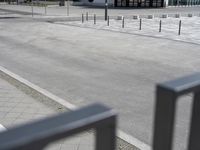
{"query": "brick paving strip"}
{"type": "Point", "coordinates": [16, 108]}
{"type": "Point", "coordinates": [22, 101]}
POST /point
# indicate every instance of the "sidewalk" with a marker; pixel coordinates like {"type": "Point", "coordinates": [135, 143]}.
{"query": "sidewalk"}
{"type": "Point", "coordinates": [18, 108]}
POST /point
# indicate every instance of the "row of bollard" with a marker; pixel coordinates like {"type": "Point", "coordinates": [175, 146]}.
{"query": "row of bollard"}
{"type": "Point", "coordinates": [86, 17]}
{"type": "Point", "coordinates": [123, 22]}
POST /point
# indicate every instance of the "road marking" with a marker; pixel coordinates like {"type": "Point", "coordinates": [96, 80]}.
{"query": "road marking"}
{"type": "Point", "coordinates": [2, 128]}
{"type": "Point", "coordinates": [133, 141]}
{"type": "Point", "coordinates": [19, 81]}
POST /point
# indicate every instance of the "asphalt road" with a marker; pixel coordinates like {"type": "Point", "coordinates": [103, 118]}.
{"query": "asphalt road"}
{"type": "Point", "coordinates": [85, 66]}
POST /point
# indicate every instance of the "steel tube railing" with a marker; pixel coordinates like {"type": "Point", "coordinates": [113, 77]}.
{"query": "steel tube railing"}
{"type": "Point", "coordinates": [167, 95]}
{"type": "Point", "coordinates": [37, 135]}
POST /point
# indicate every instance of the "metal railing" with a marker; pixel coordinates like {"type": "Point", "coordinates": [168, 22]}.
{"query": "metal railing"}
{"type": "Point", "coordinates": [36, 136]}
{"type": "Point", "coordinates": [39, 134]}
{"type": "Point", "coordinates": [167, 95]}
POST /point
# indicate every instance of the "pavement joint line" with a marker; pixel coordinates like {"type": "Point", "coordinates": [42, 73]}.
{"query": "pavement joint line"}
{"type": "Point", "coordinates": [18, 81]}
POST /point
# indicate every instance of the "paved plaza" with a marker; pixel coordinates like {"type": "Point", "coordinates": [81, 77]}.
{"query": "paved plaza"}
{"type": "Point", "coordinates": [83, 65]}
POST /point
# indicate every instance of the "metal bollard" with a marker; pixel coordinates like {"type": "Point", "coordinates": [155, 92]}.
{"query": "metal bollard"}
{"type": "Point", "coordinates": [108, 21]}
{"type": "Point", "coordinates": [179, 30]}
{"type": "Point", "coordinates": [82, 18]}
{"type": "Point", "coordinates": [68, 7]}
{"type": "Point", "coordinates": [94, 18]}
{"type": "Point", "coordinates": [45, 9]}
{"type": "Point", "coordinates": [123, 22]}
{"type": "Point", "coordinates": [86, 16]}
{"type": "Point", "coordinates": [140, 28]}
{"type": "Point", "coordinates": [32, 9]}
{"type": "Point", "coordinates": [106, 10]}
{"type": "Point", "coordinates": [160, 26]}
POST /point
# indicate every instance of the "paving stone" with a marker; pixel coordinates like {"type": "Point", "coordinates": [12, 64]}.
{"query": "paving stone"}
{"type": "Point", "coordinates": [23, 108]}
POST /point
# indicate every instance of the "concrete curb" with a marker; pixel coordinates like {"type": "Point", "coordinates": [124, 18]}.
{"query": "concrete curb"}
{"type": "Point", "coordinates": [125, 141]}
{"type": "Point", "coordinates": [35, 91]}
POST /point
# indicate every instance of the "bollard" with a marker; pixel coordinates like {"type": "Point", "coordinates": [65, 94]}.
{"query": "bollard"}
{"type": "Point", "coordinates": [86, 16]}
{"type": "Point", "coordinates": [82, 18]}
{"type": "Point", "coordinates": [160, 26]}
{"type": "Point", "coordinates": [123, 22]}
{"type": "Point", "coordinates": [67, 7]}
{"type": "Point", "coordinates": [32, 9]}
{"type": "Point", "coordinates": [94, 18]}
{"type": "Point", "coordinates": [106, 10]}
{"type": "Point", "coordinates": [179, 30]}
{"type": "Point", "coordinates": [140, 28]}
{"type": "Point", "coordinates": [45, 9]}
{"type": "Point", "coordinates": [108, 21]}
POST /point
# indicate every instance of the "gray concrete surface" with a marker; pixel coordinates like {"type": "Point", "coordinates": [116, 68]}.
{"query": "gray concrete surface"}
{"type": "Point", "coordinates": [18, 108]}
{"type": "Point", "coordinates": [85, 65]}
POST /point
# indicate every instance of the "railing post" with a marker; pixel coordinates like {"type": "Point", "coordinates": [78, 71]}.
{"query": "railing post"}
{"type": "Point", "coordinates": [194, 143]}
{"type": "Point", "coordinates": [166, 101]}
{"type": "Point", "coordinates": [164, 119]}
{"type": "Point", "coordinates": [105, 137]}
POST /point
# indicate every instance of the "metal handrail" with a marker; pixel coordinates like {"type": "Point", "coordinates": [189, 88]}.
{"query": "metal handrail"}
{"type": "Point", "coordinates": [167, 95]}
{"type": "Point", "coordinates": [39, 134]}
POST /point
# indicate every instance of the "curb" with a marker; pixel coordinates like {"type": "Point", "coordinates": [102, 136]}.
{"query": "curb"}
{"type": "Point", "coordinates": [124, 141]}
